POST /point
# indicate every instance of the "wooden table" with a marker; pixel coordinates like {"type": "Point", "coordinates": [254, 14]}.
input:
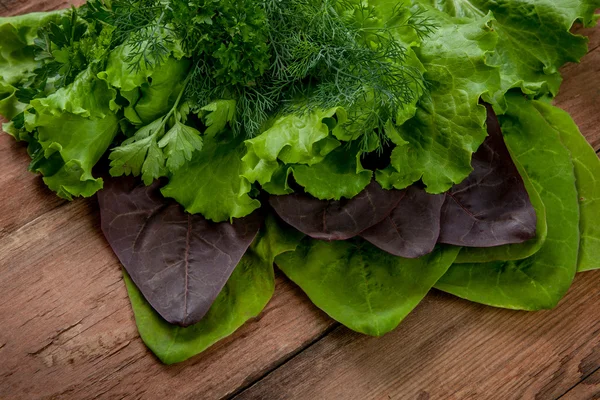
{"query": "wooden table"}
{"type": "Point", "coordinates": [67, 329]}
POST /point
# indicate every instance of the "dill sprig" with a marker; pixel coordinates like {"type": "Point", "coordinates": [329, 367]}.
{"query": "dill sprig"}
{"type": "Point", "coordinates": [274, 56]}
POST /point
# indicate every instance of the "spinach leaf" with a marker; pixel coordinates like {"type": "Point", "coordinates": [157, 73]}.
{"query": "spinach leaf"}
{"type": "Point", "coordinates": [336, 220]}
{"type": "Point", "coordinates": [412, 229]}
{"type": "Point", "coordinates": [361, 286]}
{"type": "Point", "coordinates": [539, 281]}
{"type": "Point", "coordinates": [244, 296]}
{"type": "Point", "coordinates": [516, 251]}
{"type": "Point", "coordinates": [587, 174]}
{"type": "Point", "coordinates": [491, 207]}
{"type": "Point", "coordinates": [180, 262]}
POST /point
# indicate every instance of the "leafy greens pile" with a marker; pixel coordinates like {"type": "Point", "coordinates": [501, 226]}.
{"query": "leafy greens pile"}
{"type": "Point", "coordinates": [371, 149]}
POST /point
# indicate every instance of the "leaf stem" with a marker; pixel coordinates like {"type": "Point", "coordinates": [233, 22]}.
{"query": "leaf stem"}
{"type": "Point", "coordinates": [175, 106]}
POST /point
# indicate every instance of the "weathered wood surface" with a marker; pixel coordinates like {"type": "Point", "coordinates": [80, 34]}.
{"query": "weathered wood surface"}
{"type": "Point", "coordinates": [67, 330]}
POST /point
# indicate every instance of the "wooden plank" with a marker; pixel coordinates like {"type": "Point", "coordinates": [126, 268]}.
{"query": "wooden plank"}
{"type": "Point", "coordinates": [580, 92]}
{"type": "Point", "coordinates": [450, 348]}
{"type": "Point", "coordinates": [18, 7]}
{"type": "Point", "coordinates": [67, 327]}
{"type": "Point", "coordinates": [24, 196]}
{"type": "Point", "coordinates": [587, 390]}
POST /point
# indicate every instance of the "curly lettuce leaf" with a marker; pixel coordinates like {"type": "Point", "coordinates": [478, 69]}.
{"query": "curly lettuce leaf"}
{"type": "Point", "coordinates": [10, 106]}
{"type": "Point", "coordinates": [87, 96]}
{"type": "Point", "coordinates": [211, 183]}
{"type": "Point", "coordinates": [533, 38]}
{"type": "Point", "coordinates": [292, 139]}
{"type": "Point", "coordinates": [540, 281]}
{"type": "Point", "coordinates": [151, 89]}
{"type": "Point", "coordinates": [70, 131]}
{"type": "Point", "coordinates": [17, 59]}
{"type": "Point", "coordinates": [361, 286]}
{"type": "Point", "coordinates": [437, 144]}
{"type": "Point", "coordinates": [244, 296]}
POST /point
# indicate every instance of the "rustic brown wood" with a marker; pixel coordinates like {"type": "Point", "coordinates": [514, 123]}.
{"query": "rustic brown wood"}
{"type": "Point", "coordinates": [589, 389]}
{"type": "Point", "coordinates": [580, 92]}
{"type": "Point", "coordinates": [28, 197]}
{"type": "Point", "coordinates": [67, 327]}
{"type": "Point", "coordinates": [68, 332]}
{"type": "Point", "coordinates": [452, 349]}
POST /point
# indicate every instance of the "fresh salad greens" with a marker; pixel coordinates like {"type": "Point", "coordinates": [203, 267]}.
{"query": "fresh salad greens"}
{"type": "Point", "coordinates": [372, 149]}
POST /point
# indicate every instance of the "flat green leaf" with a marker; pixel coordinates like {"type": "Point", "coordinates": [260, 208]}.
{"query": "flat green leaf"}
{"type": "Point", "coordinates": [449, 123]}
{"type": "Point", "coordinates": [211, 183]}
{"type": "Point", "coordinates": [246, 293]}
{"type": "Point", "coordinates": [539, 281]}
{"type": "Point", "coordinates": [587, 174]}
{"type": "Point", "coordinates": [364, 288]}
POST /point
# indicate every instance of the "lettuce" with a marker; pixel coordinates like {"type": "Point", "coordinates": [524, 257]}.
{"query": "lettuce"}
{"type": "Point", "coordinates": [437, 144]}
{"type": "Point", "coordinates": [354, 143]}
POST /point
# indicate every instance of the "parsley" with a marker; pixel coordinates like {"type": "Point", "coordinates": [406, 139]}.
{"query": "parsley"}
{"type": "Point", "coordinates": [274, 56]}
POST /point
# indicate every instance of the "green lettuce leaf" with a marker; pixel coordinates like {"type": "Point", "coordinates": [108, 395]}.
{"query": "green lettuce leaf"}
{"type": "Point", "coordinates": [539, 281]}
{"type": "Point", "coordinates": [533, 38]}
{"type": "Point", "coordinates": [587, 174]}
{"type": "Point", "coordinates": [361, 286]}
{"type": "Point", "coordinates": [293, 139]}
{"type": "Point", "coordinates": [87, 97]}
{"type": "Point", "coordinates": [10, 106]}
{"type": "Point", "coordinates": [17, 59]}
{"type": "Point", "coordinates": [437, 144]}
{"type": "Point", "coordinates": [211, 183]}
{"type": "Point", "coordinates": [340, 174]}
{"type": "Point", "coordinates": [71, 130]}
{"type": "Point", "coordinates": [151, 89]}
{"type": "Point", "coordinates": [246, 293]}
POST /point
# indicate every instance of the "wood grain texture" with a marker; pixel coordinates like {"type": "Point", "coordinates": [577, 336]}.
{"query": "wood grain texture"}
{"type": "Point", "coordinates": [452, 349]}
{"type": "Point", "coordinates": [67, 328]}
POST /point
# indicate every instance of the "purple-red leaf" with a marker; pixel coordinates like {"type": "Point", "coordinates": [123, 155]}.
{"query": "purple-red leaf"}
{"type": "Point", "coordinates": [336, 220]}
{"type": "Point", "coordinates": [412, 228]}
{"type": "Point", "coordinates": [180, 262]}
{"type": "Point", "coordinates": [491, 207]}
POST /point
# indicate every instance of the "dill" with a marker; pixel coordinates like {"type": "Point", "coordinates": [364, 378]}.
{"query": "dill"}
{"type": "Point", "coordinates": [275, 56]}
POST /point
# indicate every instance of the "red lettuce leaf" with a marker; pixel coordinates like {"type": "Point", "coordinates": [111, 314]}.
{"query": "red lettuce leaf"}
{"type": "Point", "coordinates": [336, 220]}
{"type": "Point", "coordinates": [491, 207]}
{"type": "Point", "coordinates": [412, 228]}
{"type": "Point", "coordinates": [179, 261]}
